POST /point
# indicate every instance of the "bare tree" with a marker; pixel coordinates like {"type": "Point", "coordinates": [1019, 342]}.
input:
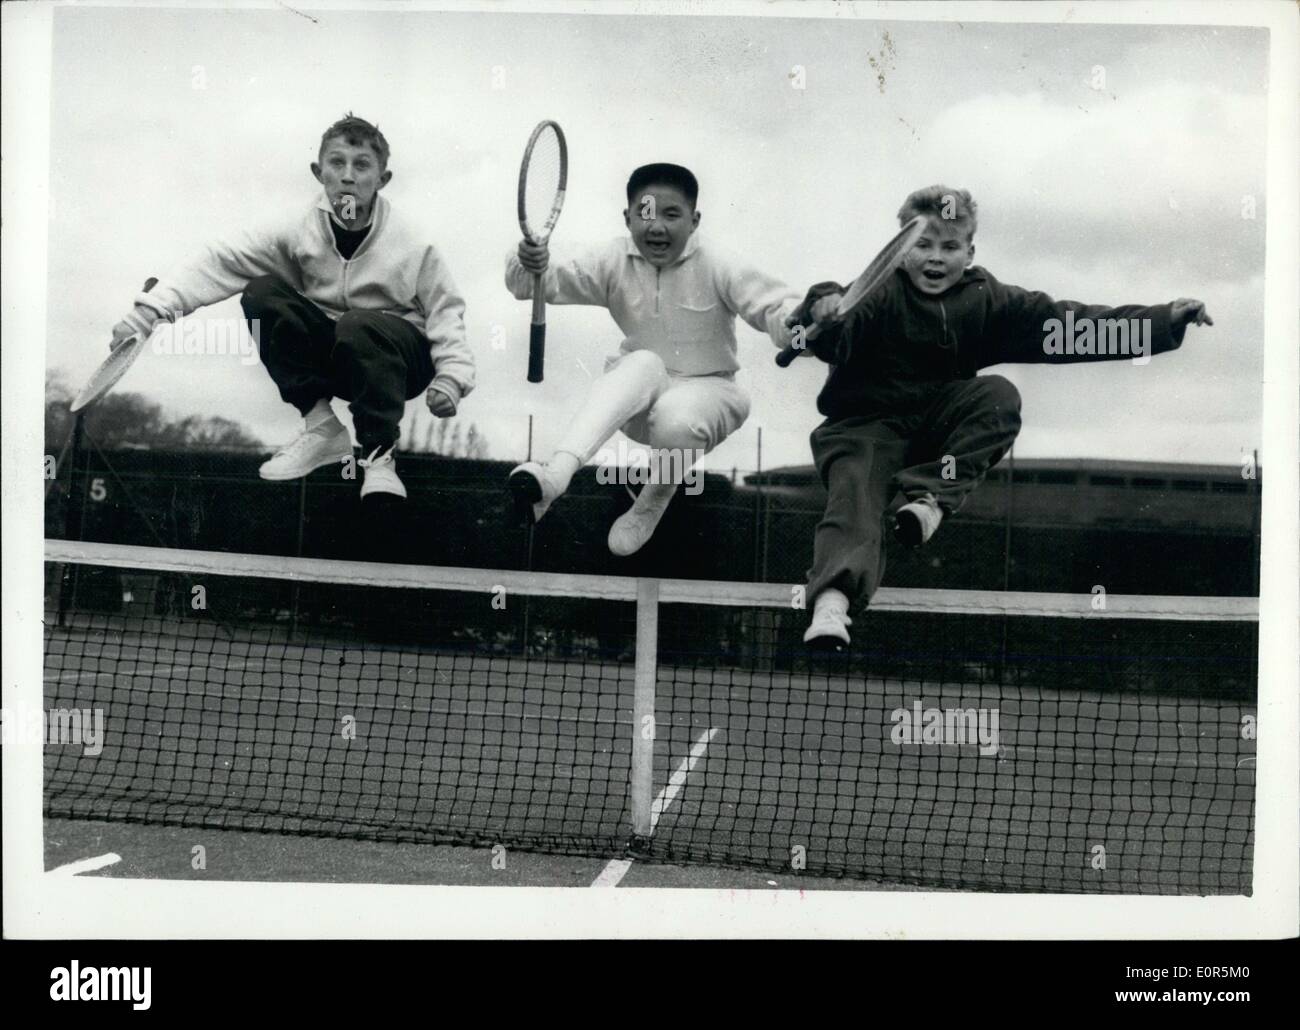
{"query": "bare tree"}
{"type": "Point", "coordinates": [451, 437]}
{"type": "Point", "coordinates": [132, 420]}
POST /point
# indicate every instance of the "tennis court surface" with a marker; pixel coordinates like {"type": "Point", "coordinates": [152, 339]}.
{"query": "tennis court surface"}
{"type": "Point", "coordinates": [985, 741]}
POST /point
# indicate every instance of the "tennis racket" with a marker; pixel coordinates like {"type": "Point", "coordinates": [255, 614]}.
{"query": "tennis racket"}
{"type": "Point", "coordinates": [542, 178]}
{"type": "Point", "coordinates": [882, 266]}
{"type": "Point", "coordinates": [114, 366]}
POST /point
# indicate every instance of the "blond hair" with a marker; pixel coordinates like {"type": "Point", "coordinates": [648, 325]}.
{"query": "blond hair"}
{"type": "Point", "coordinates": [942, 202]}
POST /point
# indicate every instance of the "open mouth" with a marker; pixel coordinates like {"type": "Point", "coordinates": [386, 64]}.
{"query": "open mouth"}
{"type": "Point", "coordinates": [658, 246]}
{"type": "Point", "coordinates": [935, 276]}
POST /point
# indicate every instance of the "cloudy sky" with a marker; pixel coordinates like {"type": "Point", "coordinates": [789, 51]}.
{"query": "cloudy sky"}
{"type": "Point", "coordinates": [171, 127]}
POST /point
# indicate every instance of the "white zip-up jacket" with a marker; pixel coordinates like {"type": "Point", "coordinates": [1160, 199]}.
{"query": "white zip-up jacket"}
{"type": "Point", "coordinates": [685, 313]}
{"type": "Point", "coordinates": [394, 270]}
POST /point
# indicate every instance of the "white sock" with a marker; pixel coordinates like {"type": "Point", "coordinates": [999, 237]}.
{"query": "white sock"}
{"type": "Point", "coordinates": [829, 599]}
{"type": "Point", "coordinates": [320, 413]}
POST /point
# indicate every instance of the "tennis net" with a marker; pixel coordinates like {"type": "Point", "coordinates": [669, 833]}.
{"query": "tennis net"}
{"type": "Point", "coordinates": [992, 741]}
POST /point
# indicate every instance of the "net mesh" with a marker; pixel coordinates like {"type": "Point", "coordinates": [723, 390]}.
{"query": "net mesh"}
{"type": "Point", "coordinates": [542, 182]}
{"type": "Point", "coordinates": [1053, 749]}
{"type": "Point", "coordinates": [1015, 752]}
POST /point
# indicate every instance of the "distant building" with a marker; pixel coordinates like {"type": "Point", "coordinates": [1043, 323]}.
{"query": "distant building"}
{"type": "Point", "coordinates": [1079, 492]}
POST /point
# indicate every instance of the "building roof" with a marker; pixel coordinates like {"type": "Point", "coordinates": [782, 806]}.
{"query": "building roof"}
{"type": "Point", "coordinates": [798, 475]}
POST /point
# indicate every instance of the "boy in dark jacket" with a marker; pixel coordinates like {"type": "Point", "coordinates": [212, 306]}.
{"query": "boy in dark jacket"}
{"type": "Point", "coordinates": [905, 410]}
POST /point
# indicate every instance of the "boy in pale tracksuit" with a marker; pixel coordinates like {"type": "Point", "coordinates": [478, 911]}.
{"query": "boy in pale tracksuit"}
{"type": "Point", "coordinates": [905, 410]}
{"type": "Point", "coordinates": [344, 301]}
{"type": "Point", "coordinates": [672, 384]}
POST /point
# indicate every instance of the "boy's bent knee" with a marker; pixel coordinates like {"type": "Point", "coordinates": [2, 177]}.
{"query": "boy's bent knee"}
{"type": "Point", "coordinates": [676, 426]}
{"type": "Point", "coordinates": [263, 289]}
{"type": "Point", "coordinates": [362, 329]}
{"type": "Point", "coordinates": [678, 434]}
{"type": "Point", "coordinates": [680, 420]}
{"type": "Point", "coordinates": [354, 323]}
{"type": "Point", "coordinates": [1001, 391]}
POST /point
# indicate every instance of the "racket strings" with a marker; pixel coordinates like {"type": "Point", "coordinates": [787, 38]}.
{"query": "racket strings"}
{"type": "Point", "coordinates": [883, 266]}
{"type": "Point", "coordinates": [861, 286]}
{"type": "Point", "coordinates": [542, 183]}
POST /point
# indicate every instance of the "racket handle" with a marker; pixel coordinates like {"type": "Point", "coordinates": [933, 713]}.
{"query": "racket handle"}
{"type": "Point", "coordinates": [788, 354]}
{"type": "Point", "coordinates": [536, 352]}
{"type": "Point", "coordinates": [149, 284]}
{"type": "Point", "coordinates": [537, 334]}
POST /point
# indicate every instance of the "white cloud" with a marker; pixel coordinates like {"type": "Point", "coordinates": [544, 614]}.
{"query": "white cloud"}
{"type": "Point", "coordinates": [1154, 174]}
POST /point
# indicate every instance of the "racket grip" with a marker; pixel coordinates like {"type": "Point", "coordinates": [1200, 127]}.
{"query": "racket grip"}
{"type": "Point", "coordinates": [149, 284]}
{"type": "Point", "coordinates": [537, 333]}
{"type": "Point", "coordinates": [536, 351]}
{"type": "Point", "coordinates": [788, 354]}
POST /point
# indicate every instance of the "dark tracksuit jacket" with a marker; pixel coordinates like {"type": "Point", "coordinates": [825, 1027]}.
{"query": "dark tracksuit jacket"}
{"type": "Point", "coordinates": [904, 406]}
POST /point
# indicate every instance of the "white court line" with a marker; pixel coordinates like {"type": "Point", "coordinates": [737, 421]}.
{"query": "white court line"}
{"type": "Point", "coordinates": [86, 865]}
{"type": "Point", "coordinates": [617, 868]}
{"type": "Point", "coordinates": [678, 778]}
{"type": "Point", "coordinates": [614, 871]}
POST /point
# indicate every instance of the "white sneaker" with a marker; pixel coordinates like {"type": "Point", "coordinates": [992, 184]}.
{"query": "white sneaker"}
{"type": "Point", "coordinates": [636, 526]}
{"type": "Point", "coordinates": [533, 489]}
{"type": "Point", "coordinates": [326, 444]}
{"type": "Point", "coordinates": [830, 622]}
{"type": "Point", "coordinates": [380, 474]}
{"type": "Point", "coordinates": [916, 521]}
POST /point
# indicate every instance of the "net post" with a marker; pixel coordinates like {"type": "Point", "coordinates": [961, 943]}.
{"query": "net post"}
{"type": "Point", "coordinates": [643, 705]}
{"type": "Point", "coordinates": [1256, 516]}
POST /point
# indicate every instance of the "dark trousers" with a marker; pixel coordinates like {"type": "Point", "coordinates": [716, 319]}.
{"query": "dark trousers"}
{"type": "Point", "coordinates": [943, 446]}
{"type": "Point", "coordinates": [375, 360]}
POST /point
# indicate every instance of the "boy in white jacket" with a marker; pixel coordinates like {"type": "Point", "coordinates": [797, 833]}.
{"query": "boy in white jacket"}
{"type": "Point", "coordinates": [345, 302]}
{"type": "Point", "coordinates": [672, 384]}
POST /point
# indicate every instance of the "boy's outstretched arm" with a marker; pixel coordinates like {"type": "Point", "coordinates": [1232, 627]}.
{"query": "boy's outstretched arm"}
{"type": "Point", "coordinates": [1029, 326]}
{"type": "Point", "coordinates": [444, 325]}
{"type": "Point", "coordinates": [763, 301]}
{"type": "Point", "coordinates": [1187, 311]}
{"type": "Point", "coordinates": [222, 269]}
